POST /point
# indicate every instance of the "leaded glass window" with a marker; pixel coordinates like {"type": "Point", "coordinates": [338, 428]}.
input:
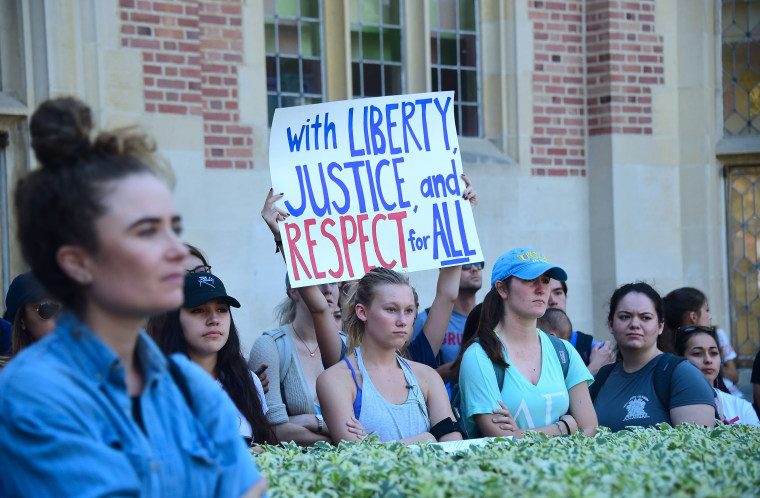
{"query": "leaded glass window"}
{"type": "Point", "coordinates": [294, 48]}
{"type": "Point", "coordinates": [743, 186]}
{"type": "Point", "coordinates": [741, 67]}
{"type": "Point", "coordinates": [376, 56]}
{"type": "Point", "coordinates": [454, 59]}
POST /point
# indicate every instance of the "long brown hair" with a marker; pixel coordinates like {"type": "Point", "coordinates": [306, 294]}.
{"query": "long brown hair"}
{"type": "Point", "coordinates": [491, 314]}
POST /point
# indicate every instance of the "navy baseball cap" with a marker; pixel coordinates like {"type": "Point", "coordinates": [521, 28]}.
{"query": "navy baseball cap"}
{"type": "Point", "coordinates": [526, 264]}
{"type": "Point", "coordinates": [24, 289]}
{"type": "Point", "coordinates": [203, 287]}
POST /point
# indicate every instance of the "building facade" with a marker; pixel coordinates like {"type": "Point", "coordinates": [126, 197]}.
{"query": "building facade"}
{"type": "Point", "coordinates": [620, 138]}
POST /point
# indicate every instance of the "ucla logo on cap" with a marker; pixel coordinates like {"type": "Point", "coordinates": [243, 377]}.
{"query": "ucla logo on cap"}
{"type": "Point", "coordinates": [204, 280]}
{"type": "Point", "coordinates": [532, 256]}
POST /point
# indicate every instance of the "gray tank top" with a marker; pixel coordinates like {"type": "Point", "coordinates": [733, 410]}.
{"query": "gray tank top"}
{"type": "Point", "coordinates": [392, 422]}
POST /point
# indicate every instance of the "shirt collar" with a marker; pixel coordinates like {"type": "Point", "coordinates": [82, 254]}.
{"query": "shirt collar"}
{"type": "Point", "coordinates": [99, 361]}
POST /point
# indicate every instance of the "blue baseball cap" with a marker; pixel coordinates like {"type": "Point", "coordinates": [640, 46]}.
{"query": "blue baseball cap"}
{"type": "Point", "coordinates": [526, 264]}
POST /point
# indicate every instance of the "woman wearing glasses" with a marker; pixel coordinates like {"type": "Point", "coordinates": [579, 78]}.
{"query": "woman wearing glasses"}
{"type": "Point", "coordinates": [109, 414]}
{"type": "Point", "coordinates": [647, 387]}
{"type": "Point", "coordinates": [374, 390]}
{"type": "Point", "coordinates": [31, 310]}
{"type": "Point", "coordinates": [699, 345]}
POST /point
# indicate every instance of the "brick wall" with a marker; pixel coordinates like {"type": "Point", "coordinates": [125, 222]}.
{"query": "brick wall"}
{"type": "Point", "coordinates": [624, 63]}
{"type": "Point", "coordinates": [558, 142]}
{"type": "Point", "coordinates": [596, 63]}
{"type": "Point", "coordinates": [191, 50]}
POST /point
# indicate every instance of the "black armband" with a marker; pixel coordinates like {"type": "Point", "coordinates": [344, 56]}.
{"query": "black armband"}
{"type": "Point", "coordinates": [444, 427]}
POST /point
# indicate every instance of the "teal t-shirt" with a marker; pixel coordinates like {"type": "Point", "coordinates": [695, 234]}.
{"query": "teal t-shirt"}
{"type": "Point", "coordinates": [531, 406]}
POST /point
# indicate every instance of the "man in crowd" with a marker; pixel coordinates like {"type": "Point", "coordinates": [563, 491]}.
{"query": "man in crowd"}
{"type": "Point", "coordinates": [595, 354]}
{"type": "Point", "coordinates": [469, 283]}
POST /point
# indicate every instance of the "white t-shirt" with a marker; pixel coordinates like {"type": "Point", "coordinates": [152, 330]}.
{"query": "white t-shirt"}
{"type": "Point", "coordinates": [736, 410]}
{"type": "Point", "coordinates": [245, 427]}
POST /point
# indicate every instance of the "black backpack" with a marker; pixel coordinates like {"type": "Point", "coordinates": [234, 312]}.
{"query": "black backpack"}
{"type": "Point", "coordinates": [663, 373]}
{"type": "Point", "coordinates": [564, 361]}
{"type": "Point", "coordinates": [583, 344]}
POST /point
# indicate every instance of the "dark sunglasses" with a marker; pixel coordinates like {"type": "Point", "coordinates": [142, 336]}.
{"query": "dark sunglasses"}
{"type": "Point", "coordinates": [468, 266]}
{"type": "Point", "coordinates": [200, 269]}
{"type": "Point", "coordinates": [47, 309]}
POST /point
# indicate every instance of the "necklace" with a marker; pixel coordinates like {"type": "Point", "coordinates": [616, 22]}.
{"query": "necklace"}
{"type": "Point", "coordinates": [311, 353]}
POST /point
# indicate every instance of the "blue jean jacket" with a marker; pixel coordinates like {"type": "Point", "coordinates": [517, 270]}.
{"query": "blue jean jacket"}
{"type": "Point", "coordinates": [66, 426]}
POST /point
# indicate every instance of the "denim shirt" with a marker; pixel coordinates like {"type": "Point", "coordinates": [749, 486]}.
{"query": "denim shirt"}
{"type": "Point", "coordinates": [67, 429]}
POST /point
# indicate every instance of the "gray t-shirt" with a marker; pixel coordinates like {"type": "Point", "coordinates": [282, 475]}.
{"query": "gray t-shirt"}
{"type": "Point", "coordinates": [629, 399]}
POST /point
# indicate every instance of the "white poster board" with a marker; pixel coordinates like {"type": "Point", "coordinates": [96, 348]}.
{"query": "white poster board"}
{"type": "Point", "coordinates": [371, 182]}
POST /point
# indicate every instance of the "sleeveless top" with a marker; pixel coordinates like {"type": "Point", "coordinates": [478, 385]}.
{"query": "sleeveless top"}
{"type": "Point", "coordinates": [388, 421]}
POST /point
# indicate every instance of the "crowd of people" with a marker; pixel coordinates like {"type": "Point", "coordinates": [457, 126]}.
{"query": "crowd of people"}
{"type": "Point", "coordinates": [141, 386]}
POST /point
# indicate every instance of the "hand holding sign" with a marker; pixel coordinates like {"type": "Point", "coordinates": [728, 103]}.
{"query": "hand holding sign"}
{"type": "Point", "coordinates": [367, 183]}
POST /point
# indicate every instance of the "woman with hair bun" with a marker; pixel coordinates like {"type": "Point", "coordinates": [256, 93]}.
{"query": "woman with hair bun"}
{"type": "Point", "coordinates": [109, 413]}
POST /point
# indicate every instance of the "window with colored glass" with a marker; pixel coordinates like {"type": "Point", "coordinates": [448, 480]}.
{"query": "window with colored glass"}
{"type": "Point", "coordinates": [741, 67]}
{"type": "Point", "coordinates": [455, 59]}
{"type": "Point", "coordinates": [294, 48]}
{"type": "Point", "coordinates": [376, 56]}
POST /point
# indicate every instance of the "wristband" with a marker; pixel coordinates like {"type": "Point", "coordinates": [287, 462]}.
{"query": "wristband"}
{"type": "Point", "coordinates": [559, 428]}
{"type": "Point", "coordinates": [567, 426]}
{"type": "Point", "coordinates": [277, 246]}
{"type": "Point", "coordinates": [445, 426]}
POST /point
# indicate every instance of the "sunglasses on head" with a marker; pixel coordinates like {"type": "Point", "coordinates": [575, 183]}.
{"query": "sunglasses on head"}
{"type": "Point", "coordinates": [200, 269]}
{"type": "Point", "coordinates": [469, 266]}
{"type": "Point", "coordinates": [697, 328]}
{"type": "Point", "coordinates": [47, 309]}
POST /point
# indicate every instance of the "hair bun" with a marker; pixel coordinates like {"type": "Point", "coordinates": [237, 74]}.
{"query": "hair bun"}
{"type": "Point", "coordinates": [60, 130]}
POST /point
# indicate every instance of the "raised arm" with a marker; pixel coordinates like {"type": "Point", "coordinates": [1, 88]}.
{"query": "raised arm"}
{"type": "Point", "coordinates": [446, 292]}
{"type": "Point", "coordinates": [272, 214]}
{"type": "Point", "coordinates": [328, 337]}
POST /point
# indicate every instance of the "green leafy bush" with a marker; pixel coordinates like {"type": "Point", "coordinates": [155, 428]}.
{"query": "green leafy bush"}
{"type": "Point", "coordinates": [685, 461]}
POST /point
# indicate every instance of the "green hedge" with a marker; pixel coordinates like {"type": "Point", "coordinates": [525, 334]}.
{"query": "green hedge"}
{"type": "Point", "coordinates": [686, 461]}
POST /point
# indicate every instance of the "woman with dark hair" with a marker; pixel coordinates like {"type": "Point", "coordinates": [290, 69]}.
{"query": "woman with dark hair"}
{"type": "Point", "coordinates": [109, 414]}
{"type": "Point", "coordinates": [204, 331]}
{"type": "Point", "coordinates": [31, 310]}
{"type": "Point", "coordinates": [647, 387]}
{"type": "Point", "coordinates": [688, 307]}
{"type": "Point", "coordinates": [699, 345]}
{"type": "Point", "coordinates": [513, 369]}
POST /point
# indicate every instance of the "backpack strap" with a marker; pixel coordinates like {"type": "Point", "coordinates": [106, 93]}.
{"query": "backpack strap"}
{"type": "Point", "coordinates": [562, 355]}
{"type": "Point", "coordinates": [497, 369]}
{"type": "Point", "coordinates": [663, 375]}
{"type": "Point", "coordinates": [180, 381]}
{"type": "Point", "coordinates": [600, 379]}
{"type": "Point", "coordinates": [283, 348]}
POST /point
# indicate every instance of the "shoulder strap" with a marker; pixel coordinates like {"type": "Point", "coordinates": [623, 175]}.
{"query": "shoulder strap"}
{"type": "Point", "coordinates": [663, 374]}
{"type": "Point", "coordinates": [283, 348]}
{"type": "Point", "coordinates": [561, 350]}
{"type": "Point", "coordinates": [600, 379]}
{"type": "Point", "coordinates": [180, 381]}
{"type": "Point", "coordinates": [497, 369]}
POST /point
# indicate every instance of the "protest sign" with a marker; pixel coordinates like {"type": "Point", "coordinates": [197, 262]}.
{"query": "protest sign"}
{"type": "Point", "coordinates": [371, 182]}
